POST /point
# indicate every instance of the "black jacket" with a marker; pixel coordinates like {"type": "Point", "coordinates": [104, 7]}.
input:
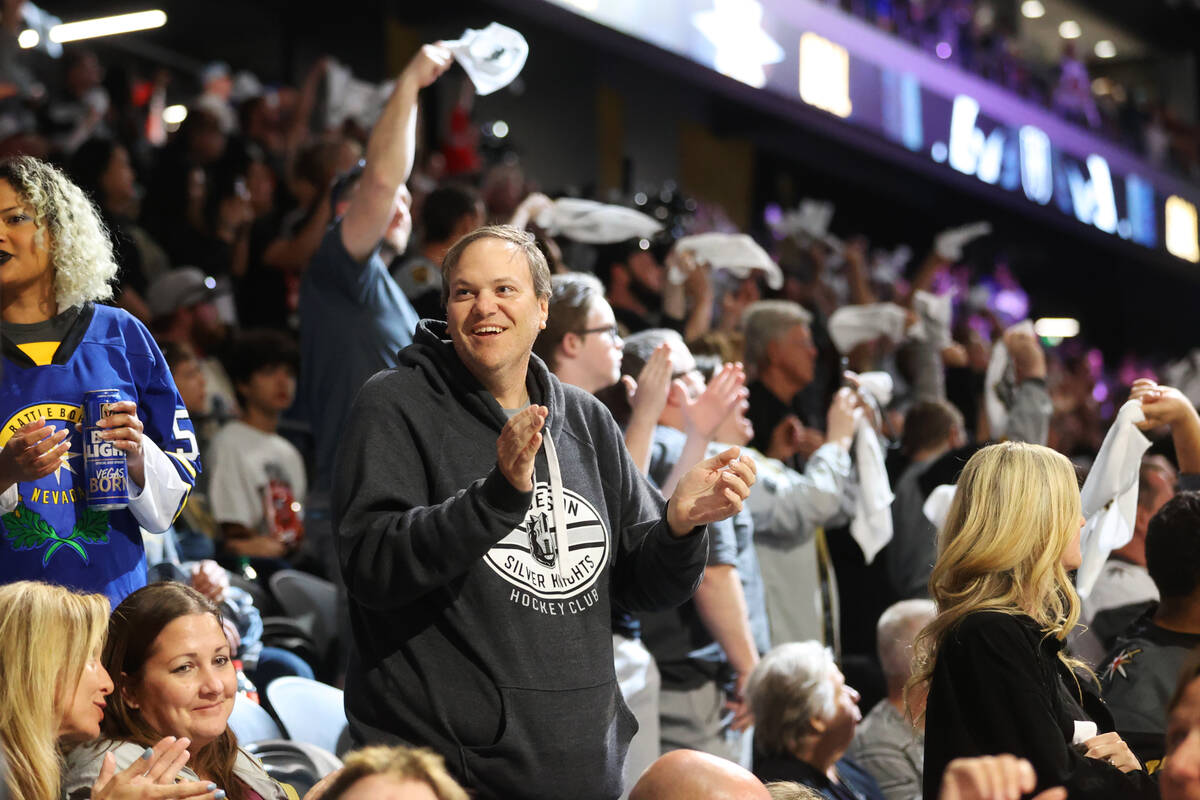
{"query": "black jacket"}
{"type": "Point", "coordinates": [999, 687]}
{"type": "Point", "coordinates": [475, 633]}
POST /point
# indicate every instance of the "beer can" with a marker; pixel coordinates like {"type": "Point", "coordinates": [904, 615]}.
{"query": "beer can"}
{"type": "Point", "coordinates": [104, 467]}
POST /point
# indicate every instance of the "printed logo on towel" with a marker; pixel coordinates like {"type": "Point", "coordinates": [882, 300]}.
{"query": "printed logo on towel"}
{"type": "Point", "coordinates": [528, 558]}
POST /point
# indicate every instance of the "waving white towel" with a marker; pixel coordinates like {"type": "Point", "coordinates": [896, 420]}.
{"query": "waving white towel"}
{"type": "Point", "coordinates": [872, 523]}
{"type": "Point", "coordinates": [1109, 495]}
{"type": "Point", "coordinates": [595, 223]}
{"type": "Point", "coordinates": [735, 253]}
{"type": "Point", "coordinates": [999, 384]}
{"type": "Point", "coordinates": [850, 326]}
{"type": "Point", "coordinates": [934, 313]}
{"type": "Point", "coordinates": [492, 57]}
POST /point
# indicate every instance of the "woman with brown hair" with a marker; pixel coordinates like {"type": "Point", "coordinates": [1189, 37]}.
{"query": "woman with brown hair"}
{"type": "Point", "coordinates": [174, 676]}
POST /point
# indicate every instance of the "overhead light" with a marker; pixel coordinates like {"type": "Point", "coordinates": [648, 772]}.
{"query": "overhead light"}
{"type": "Point", "coordinates": [944, 50]}
{"type": "Point", "coordinates": [29, 38]}
{"type": "Point", "coordinates": [107, 26]}
{"type": "Point", "coordinates": [499, 129]}
{"type": "Point", "coordinates": [1069, 29]}
{"type": "Point", "coordinates": [1056, 327]}
{"type": "Point", "coordinates": [1105, 49]}
{"type": "Point", "coordinates": [173, 115]}
{"type": "Point", "coordinates": [1032, 9]}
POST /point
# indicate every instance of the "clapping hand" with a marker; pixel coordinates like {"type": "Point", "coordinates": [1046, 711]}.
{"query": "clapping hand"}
{"type": "Point", "coordinates": [705, 414]}
{"type": "Point", "coordinates": [152, 777]}
{"type": "Point", "coordinates": [518, 445]}
{"type": "Point", "coordinates": [712, 490]}
{"type": "Point", "coordinates": [648, 394]}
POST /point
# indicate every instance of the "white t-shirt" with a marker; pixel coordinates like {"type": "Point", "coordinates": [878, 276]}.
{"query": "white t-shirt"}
{"type": "Point", "coordinates": [251, 470]}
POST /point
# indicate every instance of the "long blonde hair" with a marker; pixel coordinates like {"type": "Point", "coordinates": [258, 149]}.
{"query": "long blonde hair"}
{"type": "Point", "coordinates": [1015, 510]}
{"type": "Point", "coordinates": [47, 636]}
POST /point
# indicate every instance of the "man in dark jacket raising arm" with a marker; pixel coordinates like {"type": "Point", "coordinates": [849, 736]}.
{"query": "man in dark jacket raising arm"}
{"type": "Point", "coordinates": [488, 518]}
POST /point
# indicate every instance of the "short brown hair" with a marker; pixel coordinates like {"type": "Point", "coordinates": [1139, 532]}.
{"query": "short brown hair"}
{"type": "Point", "coordinates": [927, 424]}
{"type": "Point", "coordinates": [571, 299]}
{"type": "Point", "coordinates": [539, 270]}
{"type": "Point", "coordinates": [402, 763]}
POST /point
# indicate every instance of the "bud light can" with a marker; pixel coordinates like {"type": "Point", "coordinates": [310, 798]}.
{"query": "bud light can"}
{"type": "Point", "coordinates": [105, 470]}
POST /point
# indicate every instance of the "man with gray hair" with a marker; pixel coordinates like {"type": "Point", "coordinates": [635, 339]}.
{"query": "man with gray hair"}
{"type": "Point", "coordinates": [782, 358]}
{"type": "Point", "coordinates": [805, 716]}
{"type": "Point", "coordinates": [888, 745]}
{"type": "Point", "coordinates": [792, 508]}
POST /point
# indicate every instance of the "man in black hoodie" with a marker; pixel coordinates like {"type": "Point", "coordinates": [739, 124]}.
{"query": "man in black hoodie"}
{"type": "Point", "coordinates": [488, 518]}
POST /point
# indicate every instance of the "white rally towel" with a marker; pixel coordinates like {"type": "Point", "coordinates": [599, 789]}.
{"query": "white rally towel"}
{"type": "Point", "coordinates": [492, 57]}
{"type": "Point", "coordinates": [736, 253]}
{"type": "Point", "coordinates": [810, 220]}
{"type": "Point", "coordinates": [850, 326]}
{"type": "Point", "coordinates": [949, 243]}
{"type": "Point", "coordinates": [1109, 495]}
{"type": "Point", "coordinates": [872, 523]}
{"type": "Point", "coordinates": [347, 97]}
{"type": "Point", "coordinates": [934, 312]}
{"type": "Point", "coordinates": [999, 384]}
{"type": "Point", "coordinates": [595, 223]}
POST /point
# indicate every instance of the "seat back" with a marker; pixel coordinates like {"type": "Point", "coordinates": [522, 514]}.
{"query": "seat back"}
{"type": "Point", "coordinates": [310, 599]}
{"type": "Point", "coordinates": [310, 711]}
{"type": "Point", "coordinates": [251, 722]}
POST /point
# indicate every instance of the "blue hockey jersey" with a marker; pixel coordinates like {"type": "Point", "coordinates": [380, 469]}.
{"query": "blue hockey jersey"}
{"type": "Point", "coordinates": [52, 535]}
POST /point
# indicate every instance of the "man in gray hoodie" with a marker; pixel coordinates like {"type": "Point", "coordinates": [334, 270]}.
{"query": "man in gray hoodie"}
{"type": "Point", "coordinates": [488, 518]}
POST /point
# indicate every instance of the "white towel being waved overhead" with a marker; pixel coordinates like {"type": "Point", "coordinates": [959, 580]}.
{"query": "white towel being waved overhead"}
{"type": "Point", "coordinates": [736, 253]}
{"type": "Point", "coordinates": [934, 312]}
{"type": "Point", "coordinates": [850, 326]}
{"type": "Point", "coordinates": [595, 223]}
{"type": "Point", "coordinates": [872, 523]}
{"type": "Point", "coordinates": [1109, 495]}
{"type": "Point", "coordinates": [810, 220]}
{"type": "Point", "coordinates": [949, 243]}
{"type": "Point", "coordinates": [1000, 384]}
{"type": "Point", "coordinates": [492, 57]}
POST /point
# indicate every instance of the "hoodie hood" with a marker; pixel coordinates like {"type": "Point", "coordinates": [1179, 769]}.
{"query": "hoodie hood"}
{"type": "Point", "coordinates": [433, 353]}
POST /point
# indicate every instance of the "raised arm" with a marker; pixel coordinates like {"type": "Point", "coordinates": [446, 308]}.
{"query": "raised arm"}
{"type": "Point", "coordinates": [390, 153]}
{"type": "Point", "coordinates": [1165, 405]}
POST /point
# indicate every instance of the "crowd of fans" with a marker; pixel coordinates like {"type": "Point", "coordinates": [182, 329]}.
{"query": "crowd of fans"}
{"type": "Point", "coordinates": [279, 263]}
{"type": "Point", "coordinates": [980, 38]}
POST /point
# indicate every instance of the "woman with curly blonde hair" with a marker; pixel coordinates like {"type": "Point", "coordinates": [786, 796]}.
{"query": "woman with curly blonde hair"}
{"type": "Point", "coordinates": [992, 659]}
{"type": "Point", "coordinates": [52, 696]}
{"type": "Point", "coordinates": [56, 266]}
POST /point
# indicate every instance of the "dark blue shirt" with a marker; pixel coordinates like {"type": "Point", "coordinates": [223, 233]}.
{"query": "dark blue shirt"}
{"type": "Point", "coordinates": [354, 319]}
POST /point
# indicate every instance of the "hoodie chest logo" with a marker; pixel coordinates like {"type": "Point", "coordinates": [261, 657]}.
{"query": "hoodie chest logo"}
{"type": "Point", "coordinates": [529, 558]}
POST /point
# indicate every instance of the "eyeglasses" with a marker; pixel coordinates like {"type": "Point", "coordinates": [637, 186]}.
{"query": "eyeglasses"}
{"type": "Point", "coordinates": [611, 330]}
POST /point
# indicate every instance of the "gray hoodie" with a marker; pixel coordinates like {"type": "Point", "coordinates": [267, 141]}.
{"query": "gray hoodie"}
{"type": "Point", "coordinates": [474, 635]}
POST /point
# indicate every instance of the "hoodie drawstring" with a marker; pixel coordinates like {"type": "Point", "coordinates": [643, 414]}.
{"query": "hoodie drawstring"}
{"type": "Point", "coordinates": [557, 505]}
